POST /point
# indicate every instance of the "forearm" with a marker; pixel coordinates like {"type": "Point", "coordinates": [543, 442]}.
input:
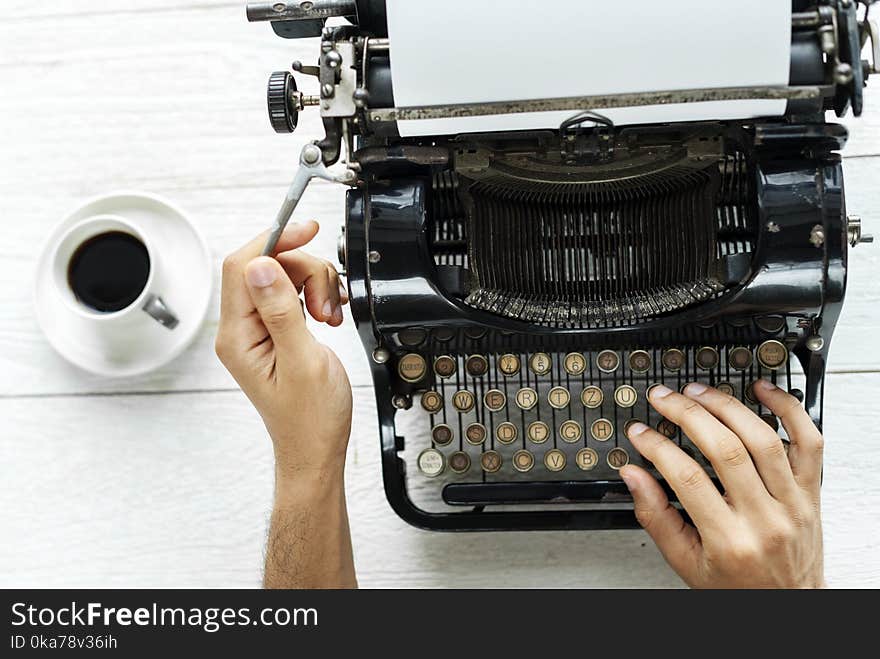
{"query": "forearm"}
{"type": "Point", "coordinates": [309, 542]}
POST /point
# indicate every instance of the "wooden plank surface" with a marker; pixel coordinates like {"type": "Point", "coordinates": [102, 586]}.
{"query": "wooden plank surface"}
{"type": "Point", "coordinates": [168, 97]}
{"type": "Point", "coordinates": [175, 490]}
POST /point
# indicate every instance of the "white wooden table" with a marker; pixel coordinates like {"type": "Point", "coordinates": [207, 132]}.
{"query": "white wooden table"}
{"type": "Point", "coordinates": [166, 480]}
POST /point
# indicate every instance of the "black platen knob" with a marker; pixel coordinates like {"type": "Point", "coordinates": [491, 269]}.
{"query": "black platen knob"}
{"type": "Point", "coordinates": [282, 113]}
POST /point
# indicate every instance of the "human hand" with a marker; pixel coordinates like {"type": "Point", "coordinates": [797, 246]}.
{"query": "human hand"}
{"type": "Point", "coordinates": [298, 385]}
{"type": "Point", "coordinates": [765, 532]}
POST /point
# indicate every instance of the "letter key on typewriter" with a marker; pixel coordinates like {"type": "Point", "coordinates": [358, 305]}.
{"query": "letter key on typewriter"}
{"type": "Point", "coordinates": [519, 293]}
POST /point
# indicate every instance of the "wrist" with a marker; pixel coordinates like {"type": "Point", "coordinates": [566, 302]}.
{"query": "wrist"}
{"type": "Point", "coordinates": [302, 453]}
{"type": "Point", "coordinates": [304, 485]}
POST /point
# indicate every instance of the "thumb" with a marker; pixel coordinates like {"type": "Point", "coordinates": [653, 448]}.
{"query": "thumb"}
{"type": "Point", "coordinates": [677, 540]}
{"type": "Point", "coordinates": [277, 302]}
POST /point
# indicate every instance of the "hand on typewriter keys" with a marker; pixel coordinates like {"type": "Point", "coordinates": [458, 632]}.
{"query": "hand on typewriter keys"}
{"type": "Point", "coordinates": [765, 531]}
{"type": "Point", "coordinates": [302, 392]}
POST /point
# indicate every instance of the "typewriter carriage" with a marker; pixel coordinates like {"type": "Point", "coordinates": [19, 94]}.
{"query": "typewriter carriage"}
{"type": "Point", "coordinates": [436, 265]}
{"type": "Point", "coordinates": [357, 96]}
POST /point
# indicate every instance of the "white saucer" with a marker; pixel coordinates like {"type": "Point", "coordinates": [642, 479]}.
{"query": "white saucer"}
{"type": "Point", "coordinates": [185, 283]}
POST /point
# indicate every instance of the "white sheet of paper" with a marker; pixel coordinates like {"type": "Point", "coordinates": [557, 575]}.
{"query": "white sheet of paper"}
{"type": "Point", "coordinates": [469, 51]}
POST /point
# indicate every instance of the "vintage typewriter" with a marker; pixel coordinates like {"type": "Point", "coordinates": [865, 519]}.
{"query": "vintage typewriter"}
{"type": "Point", "coordinates": [517, 293]}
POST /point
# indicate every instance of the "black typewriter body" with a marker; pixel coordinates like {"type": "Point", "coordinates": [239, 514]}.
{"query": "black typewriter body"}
{"type": "Point", "coordinates": [414, 299]}
{"type": "Point", "coordinates": [517, 294]}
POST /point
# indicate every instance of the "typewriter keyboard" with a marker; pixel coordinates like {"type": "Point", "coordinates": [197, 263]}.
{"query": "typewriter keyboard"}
{"type": "Point", "coordinates": [563, 416]}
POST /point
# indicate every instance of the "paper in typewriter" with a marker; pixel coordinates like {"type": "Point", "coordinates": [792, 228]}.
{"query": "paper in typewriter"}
{"type": "Point", "coordinates": [470, 51]}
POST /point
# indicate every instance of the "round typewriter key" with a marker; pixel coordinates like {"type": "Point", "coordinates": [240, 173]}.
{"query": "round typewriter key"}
{"type": "Point", "coordinates": [770, 324]}
{"type": "Point", "coordinates": [526, 398]}
{"type": "Point", "coordinates": [475, 434]}
{"type": "Point", "coordinates": [673, 360]}
{"type": "Point", "coordinates": [523, 461]}
{"type": "Point", "coordinates": [490, 461]}
{"type": "Point", "coordinates": [441, 434]}
{"type": "Point", "coordinates": [508, 365]}
{"type": "Point", "coordinates": [750, 394]}
{"type": "Point", "coordinates": [608, 361]}
{"type": "Point", "coordinates": [475, 332]}
{"type": "Point", "coordinates": [459, 462]}
{"type": "Point", "coordinates": [575, 363]}
{"type": "Point", "coordinates": [444, 334]}
{"type": "Point", "coordinates": [592, 397]}
{"type": "Point", "coordinates": [559, 398]}
{"type": "Point", "coordinates": [602, 430]}
{"type": "Point", "coordinates": [771, 421]}
{"type": "Point", "coordinates": [477, 366]}
{"type": "Point", "coordinates": [431, 462]}
{"type": "Point", "coordinates": [494, 400]}
{"type": "Point", "coordinates": [444, 366]}
{"type": "Point", "coordinates": [639, 361]}
{"type": "Point", "coordinates": [571, 431]}
{"type": "Point", "coordinates": [726, 388]}
{"type": "Point", "coordinates": [432, 402]}
{"type": "Point", "coordinates": [506, 433]}
{"type": "Point", "coordinates": [772, 355]}
{"type": "Point", "coordinates": [463, 400]}
{"type": "Point", "coordinates": [629, 424]}
{"type": "Point", "coordinates": [412, 367]}
{"type": "Point", "coordinates": [554, 460]}
{"type": "Point", "coordinates": [740, 359]}
{"type": "Point", "coordinates": [412, 337]}
{"type": "Point", "coordinates": [538, 432]}
{"type": "Point", "coordinates": [707, 358]}
{"type": "Point", "coordinates": [625, 396]}
{"type": "Point", "coordinates": [667, 428]}
{"type": "Point", "coordinates": [617, 458]}
{"type": "Point", "coordinates": [587, 459]}
{"type": "Point", "coordinates": [540, 363]}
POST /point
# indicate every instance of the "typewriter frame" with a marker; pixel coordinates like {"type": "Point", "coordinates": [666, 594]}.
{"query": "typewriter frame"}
{"type": "Point", "coordinates": [777, 146]}
{"type": "Point", "coordinates": [798, 151]}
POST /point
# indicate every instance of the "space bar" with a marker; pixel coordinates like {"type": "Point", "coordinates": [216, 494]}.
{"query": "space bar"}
{"type": "Point", "coordinates": [495, 494]}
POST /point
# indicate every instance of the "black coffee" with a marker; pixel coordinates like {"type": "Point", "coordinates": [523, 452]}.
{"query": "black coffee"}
{"type": "Point", "coordinates": [109, 272]}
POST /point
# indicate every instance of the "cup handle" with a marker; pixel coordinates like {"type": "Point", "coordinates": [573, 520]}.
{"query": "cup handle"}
{"type": "Point", "coordinates": [160, 312]}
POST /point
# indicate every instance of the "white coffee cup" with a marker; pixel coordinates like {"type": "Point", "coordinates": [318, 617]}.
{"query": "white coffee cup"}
{"type": "Point", "coordinates": [148, 301]}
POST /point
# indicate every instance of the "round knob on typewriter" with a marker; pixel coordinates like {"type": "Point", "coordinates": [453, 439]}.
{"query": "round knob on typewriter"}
{"type": "Point", "coordinates": [282, 114]}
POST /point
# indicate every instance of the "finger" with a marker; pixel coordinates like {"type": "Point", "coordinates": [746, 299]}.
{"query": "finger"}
{"type": "Point", "coordinates": [695, 490]}
{"type": "Point", "coordinates": [241, 331]}
{"type": "Point", "coordinates": [309, 274]}
{"type": "Point", "coordinates": [677, 540]}
{"type": "Point", "coordinates": [807, 444]}
{"type": "Point", "coordinates": [717, 442]}
{"type": "Point", "coordinates": [333, 286]}
{"type": "Point", "coordinates": [235, 302]}
{"type": "Point", "coordinates": [277, 302]}
{"type": "Point", "coordinates": [762, 443]}
{"type": "Point", "coordinates": [343, 292]}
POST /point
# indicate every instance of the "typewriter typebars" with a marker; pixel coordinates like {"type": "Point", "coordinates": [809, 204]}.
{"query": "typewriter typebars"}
{"type": "Point", "coordinates": [518, 293]}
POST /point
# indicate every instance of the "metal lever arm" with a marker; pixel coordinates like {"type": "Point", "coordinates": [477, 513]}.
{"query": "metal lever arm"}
{"type": "Point", "coordinates": [300, 11]}
{"type": "Point", "coordinates": [311, 166]}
